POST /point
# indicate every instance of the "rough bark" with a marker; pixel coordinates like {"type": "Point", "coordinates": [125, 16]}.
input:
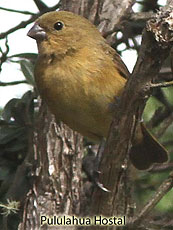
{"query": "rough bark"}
{"type": "Point", "coordinates": [56, 173]}
{"type": "Point", "coordinates": [58, 151]}
{"type": "Point", "coordinates": [106, 15]}
{"type": "Point", "coordinates": [154, 50]}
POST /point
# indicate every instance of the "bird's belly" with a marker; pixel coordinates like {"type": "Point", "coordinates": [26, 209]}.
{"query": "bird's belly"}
{"type": "Point", "coordinates": [81, 103]}
{"type": "Point", "coordinates": [80, 113]}
{"type": "Point", "coordinates": [89, 122]}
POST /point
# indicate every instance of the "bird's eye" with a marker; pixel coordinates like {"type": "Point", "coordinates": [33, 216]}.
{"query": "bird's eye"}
{"type": "Point", "coordinates": [58, 25]}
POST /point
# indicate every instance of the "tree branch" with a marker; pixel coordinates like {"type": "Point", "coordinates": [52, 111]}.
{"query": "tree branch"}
{"type": "Point", "coordinates": [4, 54]}
{"type": "Point", "coordinates": [161, 84]}
{"type": "Point", "coordinates": [19, 26]}
{"type": "Point", "coordinates": [162, 167]}
{"type": "Point", "coordinates": [105, 14]}
{"type": "Point", "coordinates": [144, 16]}
{"type": "Point", "coordinates": [164, 188]}
{"type": "Point", "coordinates": [25, 23]}
{"type": "Point", "coordinates": [12, 83]}
{"type": "Point", "coordinates": [154, 50]}
{"type": "Point", "coordinates": [17, 11]}
{"type": "Point", "coordinates": [42, 7]}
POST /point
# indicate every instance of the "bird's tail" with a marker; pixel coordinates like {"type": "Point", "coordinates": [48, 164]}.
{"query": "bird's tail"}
{"type": "Point", "coordinates": [146, 150]}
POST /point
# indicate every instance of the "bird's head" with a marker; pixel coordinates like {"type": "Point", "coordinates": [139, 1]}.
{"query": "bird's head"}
{"type": "Point", "coordinates": [62, 30]}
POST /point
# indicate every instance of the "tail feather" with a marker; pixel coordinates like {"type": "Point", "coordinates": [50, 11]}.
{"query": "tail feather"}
{"type": "Point", "coordinates": [146, 150]}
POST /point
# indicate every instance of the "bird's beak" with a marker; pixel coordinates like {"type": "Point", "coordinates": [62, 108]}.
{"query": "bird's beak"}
{"type": "Point", "coordinates": [37, 32]}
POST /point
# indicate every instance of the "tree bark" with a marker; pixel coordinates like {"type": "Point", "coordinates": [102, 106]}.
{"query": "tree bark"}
{"type": "Point", "coordinates": [155, 48]}
{"type": "Point", "coordinates": [57, 183]}
{"type": "Point", "coordinates": [56, 174]}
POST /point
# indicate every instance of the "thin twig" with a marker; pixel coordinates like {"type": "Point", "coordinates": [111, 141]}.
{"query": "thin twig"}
{"type": "Point", "coordinates": [164, 188]}
{"type": "Point", "coordinates": [161, 167]}
{"type": "Point", "coordinates": [4, 54]}
{"type": "Point", "coordinates": [25, 23]}
{"type": "Point", "coordinates": [19, 26]}
{"type": "Point", "coordinates": [17, 11]}
{"type": "Point", "coordinates": [161, 84]}
{"type": "Point", "coordinates": [12, 83]}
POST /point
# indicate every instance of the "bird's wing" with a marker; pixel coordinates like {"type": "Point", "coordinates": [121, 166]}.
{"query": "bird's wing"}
{"type": "Point", "coordinates": [121, 67]}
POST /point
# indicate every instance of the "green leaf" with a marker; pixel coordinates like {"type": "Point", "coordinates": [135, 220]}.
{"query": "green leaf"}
{"type": "Point", "coordinates": [7, 112]}
{"type": "Point", "coordinates": [168, 92]}
{"type": "Point", "coordinates": [27, 97]}
{"type": "Point", "coordinates": [28, 71]}
{"type": "Point", "coordinates": [31, 56]}
{"type": "Point", "coordinates": [16, 147]}
{"type": "Point", "coordinates": [24, 109]}
{"type": "Point", "coordinates": [8, 134]}
{"type": "Point", "coordinates": [151, 106]}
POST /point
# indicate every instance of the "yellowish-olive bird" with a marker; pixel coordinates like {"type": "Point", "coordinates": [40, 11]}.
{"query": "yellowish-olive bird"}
{"type": "Point", "coordinates": [79, 75]}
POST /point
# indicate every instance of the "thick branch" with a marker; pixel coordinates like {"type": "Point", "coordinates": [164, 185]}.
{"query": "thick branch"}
{"type": "Point", "coordinates": [41, 5]}
{"type": "Point", "coordinates": [151, 56]}
{"type": "Point", "coordinates": [109, 7]}
{"type": "Point", "coordinates": [144, 16]}
{"type": "Point", "coordinates": [105, 14]}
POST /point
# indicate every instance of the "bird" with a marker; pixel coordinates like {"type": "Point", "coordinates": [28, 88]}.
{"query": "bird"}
{"type": "Point", "coordinates": [79, 76]}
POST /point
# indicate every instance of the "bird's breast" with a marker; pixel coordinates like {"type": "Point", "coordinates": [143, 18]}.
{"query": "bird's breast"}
{"type": "Point", "coordinates": [79, 95]}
